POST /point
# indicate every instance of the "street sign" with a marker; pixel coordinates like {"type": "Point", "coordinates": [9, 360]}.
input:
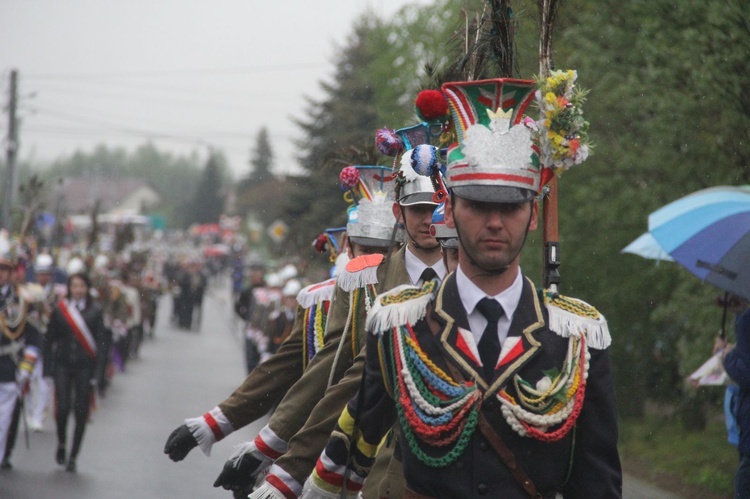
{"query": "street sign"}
{"type": "Point", "coordinates": [277, 231]}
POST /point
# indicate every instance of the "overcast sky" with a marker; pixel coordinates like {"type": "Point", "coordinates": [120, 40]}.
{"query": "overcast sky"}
{"type": "Point", "coordinates": [184, 73]}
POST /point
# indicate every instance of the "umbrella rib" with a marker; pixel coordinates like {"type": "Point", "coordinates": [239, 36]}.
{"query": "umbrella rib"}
{"type": "Point", "coordinates": [716, 269]}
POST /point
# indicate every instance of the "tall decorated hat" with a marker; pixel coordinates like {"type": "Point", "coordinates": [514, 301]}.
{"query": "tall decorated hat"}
{"type": "Point", "coordinates": [371, 192]}
{"type": "Point", "coordinates": [417, 146]}
{"type": "Point", "coordinates": [330, 241]}
{"type": "Point", "coordinates": [495, 159]}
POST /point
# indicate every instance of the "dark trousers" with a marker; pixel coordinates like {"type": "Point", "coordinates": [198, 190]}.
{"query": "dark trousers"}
{"type": "Point", "coordinates": [73, 391]}
{"type": "Point", "coordinates": [10, 443]}
{"type": "Point", "coordinates": [742, 479]}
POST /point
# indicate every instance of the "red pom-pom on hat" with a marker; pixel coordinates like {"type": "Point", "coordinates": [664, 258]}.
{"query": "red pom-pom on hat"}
{"type": "Point", "coordinates": [349, 177]}
{"type": "Point", "coordinates": [320, 243]}
{"type": "Point", "coordinates": [431, 105]}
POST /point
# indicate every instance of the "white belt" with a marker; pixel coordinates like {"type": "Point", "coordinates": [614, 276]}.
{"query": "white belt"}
{"type": "Point", "coordinates": [11, 349]}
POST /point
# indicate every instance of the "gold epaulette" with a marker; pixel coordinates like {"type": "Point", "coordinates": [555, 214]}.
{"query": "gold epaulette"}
{"type": "Point", "coordinates": [569, 316]}
{"type": "Point", "coordinates": [405, 304]}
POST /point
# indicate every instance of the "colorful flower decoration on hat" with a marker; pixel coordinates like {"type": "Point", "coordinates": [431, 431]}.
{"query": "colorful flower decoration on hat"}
{"type": "Point", "coordinates": [563, 132]}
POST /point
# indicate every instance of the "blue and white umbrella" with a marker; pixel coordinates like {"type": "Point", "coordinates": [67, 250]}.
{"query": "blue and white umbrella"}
{"type": "Point", "coordinates": [708, 233]}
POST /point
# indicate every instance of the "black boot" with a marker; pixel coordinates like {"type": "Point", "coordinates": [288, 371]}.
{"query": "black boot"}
{"type": "Point", "coordinates": [71, 467]}
{"type": "Point", "coordinates": [60, 455]}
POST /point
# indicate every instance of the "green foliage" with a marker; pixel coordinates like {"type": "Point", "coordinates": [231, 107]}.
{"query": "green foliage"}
{"type": "Point", "coordinates": [659, 79]}
{"type": "Point", "coordinates": [261, 159]}
{"type": "Point", "coordinates": [692, 464]}
{"type": "Point", "coordinates": [208, 202]}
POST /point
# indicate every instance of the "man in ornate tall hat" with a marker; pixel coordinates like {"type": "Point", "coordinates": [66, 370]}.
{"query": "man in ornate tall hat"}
{"type": "Point", "coordinates": [500, 390]}
{"type": "Point", "coordinates": [417, 262]}
{"type": "Point", "coordinates": [20, 347]}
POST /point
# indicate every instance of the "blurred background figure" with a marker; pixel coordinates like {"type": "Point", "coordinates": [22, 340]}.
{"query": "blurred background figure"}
{"type": "Point", "coordinates": [77, 340]}
{"type": "Point", "coordinates": [42, 383]}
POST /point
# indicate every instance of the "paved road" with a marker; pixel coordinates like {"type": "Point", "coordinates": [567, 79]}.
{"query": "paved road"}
{"type": "Point", "coordinates": [179, 374]}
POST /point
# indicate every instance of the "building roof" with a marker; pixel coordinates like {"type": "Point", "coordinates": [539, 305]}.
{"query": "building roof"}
{"type": "Point", "coordinates": [80, 194]}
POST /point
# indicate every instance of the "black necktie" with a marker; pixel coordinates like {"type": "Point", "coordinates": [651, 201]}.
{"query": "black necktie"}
{"type": "Point", "coordinates": [428, 274]}
{"type": "Point", "coordinates": [489, 344]}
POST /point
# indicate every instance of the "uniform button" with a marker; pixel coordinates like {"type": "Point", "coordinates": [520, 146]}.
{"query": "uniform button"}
{"type": "Point", "coordinates": [484, 446]}
{"type": "Point", "coordinates": [482, 489]}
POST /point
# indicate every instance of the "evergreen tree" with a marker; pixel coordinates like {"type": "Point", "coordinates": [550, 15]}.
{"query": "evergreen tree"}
{"type": "Point", "coordinates": [208, 202]}
{"type": "Point", "coordinates": [345, 116]}
{"type": "Point", "coordinates": [261, 160]}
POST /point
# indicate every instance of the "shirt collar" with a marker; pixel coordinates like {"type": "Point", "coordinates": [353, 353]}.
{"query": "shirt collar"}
{"type": "Point", "coordinates": [415, 267]}
{"type": "Point", "coordinates": [471, 294]}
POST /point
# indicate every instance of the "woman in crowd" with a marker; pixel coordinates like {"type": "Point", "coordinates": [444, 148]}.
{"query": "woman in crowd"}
{"type": "Point", "coordinates": [76, 335]}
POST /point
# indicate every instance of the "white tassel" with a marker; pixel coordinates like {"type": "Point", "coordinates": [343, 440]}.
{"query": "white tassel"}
{"type": "Point", "coordinates": [565, 324]}
{"type": "Point", "coordinates": [384, 317]}
{"type": "Point", "coordinates": [340, 264]}
{"type": "Point", "coordinates": [245, 448]}
{"type": "Point", "coordinates": [266, 491]}
{"type": "Point", "coordinates": [312, 491]}
{"type": "Point", "coordinates": [316, 293]}
{"type": "Point", "coordinates": [349, 281]}
{"type": "Point", "coordinates": [202, 433]}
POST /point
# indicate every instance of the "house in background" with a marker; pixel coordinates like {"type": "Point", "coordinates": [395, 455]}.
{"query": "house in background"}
{"type": "Point", "coordinates": [80, 195]}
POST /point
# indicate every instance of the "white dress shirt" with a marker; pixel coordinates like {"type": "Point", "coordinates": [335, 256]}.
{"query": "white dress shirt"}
{"type": "Point", "coordinates": [415, 267]}
{"type": "Point", "coordinates": [471, 294]}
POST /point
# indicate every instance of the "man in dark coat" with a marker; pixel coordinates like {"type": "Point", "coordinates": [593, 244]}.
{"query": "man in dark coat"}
{"type": "Point", "coordinates": [737, 365]}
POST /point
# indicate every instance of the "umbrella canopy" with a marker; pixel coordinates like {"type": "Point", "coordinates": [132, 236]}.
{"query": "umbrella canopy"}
{"type": "Point", "coordinates": [708, 233]}
{"type": "Point", "coordinates": [647, 247]}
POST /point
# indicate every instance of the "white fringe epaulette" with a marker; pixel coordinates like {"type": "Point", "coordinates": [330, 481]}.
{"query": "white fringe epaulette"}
{"type": "Point", "coordinates": [570, 315]}
{"type": "Point", "coordinates": [360, 272]}
{"type": "Point", "coordinates": [316, 293]}
{"type": "Point", "coordinates": [405, 304]}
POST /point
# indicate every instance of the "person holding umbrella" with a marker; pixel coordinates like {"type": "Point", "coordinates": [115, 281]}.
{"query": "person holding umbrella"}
{"type": "Point", "coordinates": [737, 366]}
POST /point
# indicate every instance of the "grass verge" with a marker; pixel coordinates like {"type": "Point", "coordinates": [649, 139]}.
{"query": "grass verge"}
{"type": "Point", "coordinates": [693, 464]}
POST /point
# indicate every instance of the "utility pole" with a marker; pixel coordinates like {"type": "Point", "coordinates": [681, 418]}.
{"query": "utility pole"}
{"type": "Point", "coordinates": [12, 148]}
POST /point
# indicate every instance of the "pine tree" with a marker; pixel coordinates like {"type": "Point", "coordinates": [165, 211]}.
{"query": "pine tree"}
{"type": "Point", "coordinates": [261, 159]}
{"type": "Point", "coordinates": [208, 201]}
{"type": "Point", "coordinates": [345, 116]}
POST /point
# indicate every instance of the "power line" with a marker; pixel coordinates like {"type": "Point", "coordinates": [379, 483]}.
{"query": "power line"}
{"type": "Point", "coordinates": [223, 135]}
{"type": "Point", "coordinates": [175, 72]}
{"type": "Point", "coordinates": [121, 128]}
